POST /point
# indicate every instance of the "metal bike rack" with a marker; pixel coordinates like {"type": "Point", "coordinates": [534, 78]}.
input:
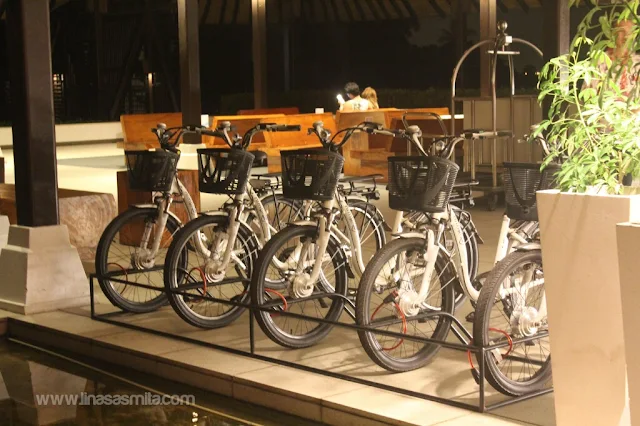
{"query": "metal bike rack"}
{"type": "Point", "coordinates": [500, 45]}
{"type": "Point", "coordinates": [458, 329]}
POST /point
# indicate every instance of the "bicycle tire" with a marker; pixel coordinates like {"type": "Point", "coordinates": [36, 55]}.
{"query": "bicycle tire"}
{"type": "Point", "coordinates": [180, 247]}
{"type": "Point", "coordinates": [367, 287]}
{"type": "Point", "coordinates": [102, 262]}
{"type": "Point", "coordinates": [482, 326]}
{"type": "Point", "coordinates": [260, 287]}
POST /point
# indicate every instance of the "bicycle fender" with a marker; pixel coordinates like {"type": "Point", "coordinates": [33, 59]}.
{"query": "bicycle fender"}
{"type": "Point", "coordinates": [153, 206]}
{"type": "Point", "coordinates": [304, 223]}
{"type": "Point", "coordinates": [223, 214]}
{"type": "Point", "coordinates": [215, 213]}
{"type": "Point", "coordinates": [409, 235]}
{"type": "Point", "coordinates": [529, 247]}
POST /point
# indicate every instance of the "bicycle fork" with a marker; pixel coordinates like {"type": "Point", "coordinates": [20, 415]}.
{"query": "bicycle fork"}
{"type": "Point", "coordinates": [146, 256]}
{"type": "Point", "coordinates": [408, 299]}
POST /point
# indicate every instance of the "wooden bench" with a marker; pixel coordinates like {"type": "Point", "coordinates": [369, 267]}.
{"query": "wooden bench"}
{"type": "Point", "coordinates": [136, 130]}
{"type": "Point", "coordinates": [367, 154]}
{"type": "Point", "coordinates": [281, 141]}
{"type": "Point", "coordinates": [85, 213]}
{"type": "Point", "coordinates": [243, 123]}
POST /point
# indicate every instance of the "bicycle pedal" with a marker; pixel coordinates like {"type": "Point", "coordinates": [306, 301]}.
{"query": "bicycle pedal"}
{"type": "Point", "coordinates": [471, 317]}
{"type": "Point", "coordinates": [323, 304]}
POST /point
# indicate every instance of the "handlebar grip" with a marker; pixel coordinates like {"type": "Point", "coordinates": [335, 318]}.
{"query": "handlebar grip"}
{"type": "Point", "coordinates": [286, 128]}
{"type": "Point", "coordinates": [214, 133]}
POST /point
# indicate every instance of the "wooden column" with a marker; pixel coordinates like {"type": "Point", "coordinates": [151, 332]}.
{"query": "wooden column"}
{"type": "Point", "coordinates": [259, 27]}
{"type": "Point", "coordinates": [487, 30]}
{"type": "Point", "coordinates": [189, 66]}
{"type": "Point", "coordinates": [34, 140]}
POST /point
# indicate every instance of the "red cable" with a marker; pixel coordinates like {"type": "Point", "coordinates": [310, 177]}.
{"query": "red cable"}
{"type": "Point", "coordinates": [497, 331]}
{"type": "Point", "coordinates": [404, 324]}
{"type": "Point", "coordinates": [123, 270]}
{"type": "Point", "coordinates": [202, 275]}
{"type": "Point", "coordinates": [284, 299]}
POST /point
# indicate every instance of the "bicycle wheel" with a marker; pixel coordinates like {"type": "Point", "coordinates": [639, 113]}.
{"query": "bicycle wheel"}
{"type": "Point", "coordinates": [280, 211]}
{"type": "Point", "coordinates": [397, 268]}
{"type": "Point", "coordinates": [192, 268]}
{"type": "Point", "coordinates": [294, 295]}
{"type": "Point", "coordinates": [507, 310]}
{"type": "Point", "coordinates": [120, 255]}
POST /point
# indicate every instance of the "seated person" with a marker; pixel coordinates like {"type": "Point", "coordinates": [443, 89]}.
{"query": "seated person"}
{"type": "Point", "coordinates": [370, 94]}
{"type": "Point", "coordinates": [355, 102]}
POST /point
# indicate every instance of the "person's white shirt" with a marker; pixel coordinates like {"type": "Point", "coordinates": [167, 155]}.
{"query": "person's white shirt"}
{"type": "Point", "coordinates": [356, 104]}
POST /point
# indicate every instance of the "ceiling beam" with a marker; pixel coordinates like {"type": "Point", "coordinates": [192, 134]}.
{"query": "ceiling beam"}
{"type": "Point", "coordinates": [360, 9]}
{"type": "Point", "coordinates": [412, 13]}
{"type": "Point", "coordinates": [501, 6]}
{"type": "Point", "coordinates": [349, 11]}
{"type": "Point", "coordinates": [336, 12]}
{"type": "Point", "coordinates": [385, 12]}
{"type": "Point", "coordinates": [523, 4]}
{"type": "Point", "coordinates": [374, 11]}
{"type": "Point", "coordinates": [205, 13]}
{"type": "Point", "coordinates": [325, 10]}
{"type": "Point", "coordinates": [437, 8]}
{"type": "Point", "coordinates": [236, 11]}
{"type": "Point", "coordinates": [397, 9]}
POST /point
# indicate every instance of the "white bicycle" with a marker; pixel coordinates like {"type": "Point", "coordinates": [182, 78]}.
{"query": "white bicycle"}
{"type": "Point", "coordinates": [212, 257]}
{"type": "Point", "coordinates": [134, 246]}
{"type": "Point", "coordinates": [310, 260]}
{"type": "Point", "coordinates": [512, 310]}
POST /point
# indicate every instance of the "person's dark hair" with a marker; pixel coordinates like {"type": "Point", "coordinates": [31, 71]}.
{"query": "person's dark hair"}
{"type": "Point", "coordinates": [352, 88]}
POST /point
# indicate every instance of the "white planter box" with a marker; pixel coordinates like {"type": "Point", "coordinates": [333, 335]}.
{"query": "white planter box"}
{"type": "Point", "coordinates": [579, 252]}
{"type": "Point", "coordinates": [629, 266]}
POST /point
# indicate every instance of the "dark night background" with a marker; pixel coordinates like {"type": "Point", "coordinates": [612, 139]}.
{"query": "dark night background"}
{"type": "Point", "coordinates": [105, 53]}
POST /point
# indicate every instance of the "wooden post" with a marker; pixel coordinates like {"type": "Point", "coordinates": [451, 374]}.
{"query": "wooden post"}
{"type": "Point", "coordinates": [189, 66]}
{"type": "Point", "coordinates": [34, 140]}
{"type": "Point", "coordinates": [259, 27]}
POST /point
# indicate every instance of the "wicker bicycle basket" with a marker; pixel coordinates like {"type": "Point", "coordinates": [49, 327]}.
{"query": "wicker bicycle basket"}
{"type": "Point", "coordinates": [224, 171]}
{"type": "Point", "coordinates": [150, 171]}
{"type": "Point", "coordinates": [521, 181]}
{"type": "Point", "coordinates": [310, 174]}
{"type": "Point", "coordinates": [421, 183]}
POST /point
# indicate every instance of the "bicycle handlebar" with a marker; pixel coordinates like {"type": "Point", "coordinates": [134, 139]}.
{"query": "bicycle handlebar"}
{"type": "Point", "coordinates": [166, 135]}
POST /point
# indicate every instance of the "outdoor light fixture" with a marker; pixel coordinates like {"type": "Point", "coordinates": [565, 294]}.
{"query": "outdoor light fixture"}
{"type": "Point", "coordinates": [150, 78]}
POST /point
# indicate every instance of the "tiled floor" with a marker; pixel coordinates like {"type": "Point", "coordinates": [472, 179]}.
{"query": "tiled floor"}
{"type": "Point", "coordinates": [316, 397]}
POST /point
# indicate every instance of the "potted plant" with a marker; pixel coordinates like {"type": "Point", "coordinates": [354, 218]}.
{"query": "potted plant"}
{"type": "Point", "coordinates": [593, 128]}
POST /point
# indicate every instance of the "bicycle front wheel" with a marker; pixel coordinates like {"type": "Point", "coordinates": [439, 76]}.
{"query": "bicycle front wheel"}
{"type": "Point", "coordinates": [276, 284]}
{"type": "Point", "coordinates": [512, 306]}
{"type": "Point", "coordinates": [193, 269]}
{"type": "Point", "coordinates": [124, 253]}
{"type": "Point", "coordinates": [396, 269]}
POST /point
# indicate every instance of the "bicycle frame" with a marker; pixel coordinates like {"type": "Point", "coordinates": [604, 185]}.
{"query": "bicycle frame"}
{"type": "Point", "coordinates": [163, 203]}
